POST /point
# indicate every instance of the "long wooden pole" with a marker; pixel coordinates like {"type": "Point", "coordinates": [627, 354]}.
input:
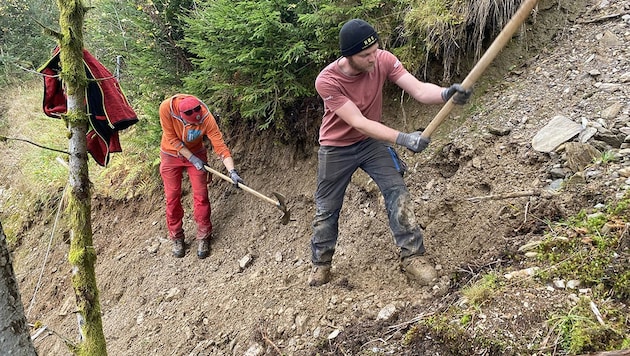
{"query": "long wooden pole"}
{"type": "Point", "coordinates": [495, 48]}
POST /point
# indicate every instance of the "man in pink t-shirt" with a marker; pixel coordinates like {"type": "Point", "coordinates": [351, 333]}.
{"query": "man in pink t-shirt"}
{"type": "Point", "coordinates": [352, 136]}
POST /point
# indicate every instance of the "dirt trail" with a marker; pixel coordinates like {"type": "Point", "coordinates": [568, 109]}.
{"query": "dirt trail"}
{"type": "Point", "coordinates": [156, 304]}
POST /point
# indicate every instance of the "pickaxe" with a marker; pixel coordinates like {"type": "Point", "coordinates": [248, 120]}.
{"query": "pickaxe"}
{"type": "Point", "coordinates": [279, 203]}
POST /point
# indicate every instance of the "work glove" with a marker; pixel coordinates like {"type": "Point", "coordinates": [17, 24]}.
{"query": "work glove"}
{"type": "Point", "coordinates": [235, 178]}
{"type": "Point", "coordinates": [413, 141]}
{"type": "Point", "coordinates": [197, 162]}
{"type": "Point", "coordinates": [459, 94]}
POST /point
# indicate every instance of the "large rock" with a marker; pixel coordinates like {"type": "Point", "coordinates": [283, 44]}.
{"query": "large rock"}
{"type": "Point", "coordinates": [580, 155]}
{"type": "Point", "coordinates": [558, 131]}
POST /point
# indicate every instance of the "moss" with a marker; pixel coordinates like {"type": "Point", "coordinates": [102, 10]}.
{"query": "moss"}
{"type": "Point", "coordinates": [458, 338]}
{"type": "Point", "coordinates": [589, 254]}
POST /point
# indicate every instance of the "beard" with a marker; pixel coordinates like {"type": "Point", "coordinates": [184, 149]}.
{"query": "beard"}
{"type": "Point", "coordinates": [361, 68]}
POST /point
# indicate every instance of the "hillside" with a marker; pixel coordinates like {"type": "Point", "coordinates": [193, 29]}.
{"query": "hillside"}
{"type": "Point", "coordinates": [250, 296]}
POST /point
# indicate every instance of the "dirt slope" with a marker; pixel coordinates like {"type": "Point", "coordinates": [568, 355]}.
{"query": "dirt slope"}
{"type": "Point", "coordinates": [154, 304]}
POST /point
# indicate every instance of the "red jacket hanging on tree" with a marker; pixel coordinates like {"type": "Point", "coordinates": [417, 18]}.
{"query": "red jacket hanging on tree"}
{"type": "Point", "coordinates": [107, 107]}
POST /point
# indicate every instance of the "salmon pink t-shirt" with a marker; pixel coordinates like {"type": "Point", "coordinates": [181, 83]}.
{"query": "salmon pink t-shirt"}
{"type": "Point", "coordinates": [364, 90]}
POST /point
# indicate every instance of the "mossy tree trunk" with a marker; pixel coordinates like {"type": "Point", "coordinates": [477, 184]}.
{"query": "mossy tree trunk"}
{"type": "Point", "coordinates": [14, 336]}
{"type": "Point", "coordinates": [82, 254]}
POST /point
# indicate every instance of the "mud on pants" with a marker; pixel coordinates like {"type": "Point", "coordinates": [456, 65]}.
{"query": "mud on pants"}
{"type": "Point", "coordinates": [335, 168]}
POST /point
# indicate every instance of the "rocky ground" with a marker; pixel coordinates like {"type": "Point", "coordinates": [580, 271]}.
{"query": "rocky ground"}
{"type": "Point", "coordinates": [493, 177]}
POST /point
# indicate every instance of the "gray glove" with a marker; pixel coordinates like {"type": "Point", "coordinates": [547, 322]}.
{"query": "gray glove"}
{"type": "Point", "coordinates": [413, 141]}
{"type": "Point", "coordinates": [459, 94]}
{"type": "Point", "coordinates": [235, 178]}
{"type": "Point", "coordinates": [197, 162]}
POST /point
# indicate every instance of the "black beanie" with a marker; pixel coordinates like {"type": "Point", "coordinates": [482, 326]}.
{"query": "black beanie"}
{"type": "Point", "coordinates": [355, 36]}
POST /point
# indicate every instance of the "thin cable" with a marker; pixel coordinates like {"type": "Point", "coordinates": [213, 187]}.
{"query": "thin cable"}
{"type": "Point", "coordinates": [52, 234]}
{"type": "Point", "coordinates": [59, 75]}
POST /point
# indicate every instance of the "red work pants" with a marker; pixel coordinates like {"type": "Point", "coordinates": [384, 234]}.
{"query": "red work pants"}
{"type": "Point", "coordinates": [172, 170]}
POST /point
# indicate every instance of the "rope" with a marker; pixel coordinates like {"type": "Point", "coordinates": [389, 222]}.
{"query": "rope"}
{"type": "Point", "coordinates": [39, 280]}
{"type": "Point", "coordinates": [58, 75]}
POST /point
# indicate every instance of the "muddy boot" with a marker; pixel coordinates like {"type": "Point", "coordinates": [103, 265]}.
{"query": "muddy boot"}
{"type": "Point", "coordinates": [178, 248]}
{"type": "Point", "coordinates": [203, 248]}
{"type": "Point", "coordinates": [319, 275]}
{"type": "Point", "coordinates": [420, 269]}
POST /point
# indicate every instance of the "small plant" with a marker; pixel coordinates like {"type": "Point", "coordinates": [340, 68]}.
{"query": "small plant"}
{"type": "Point", "coordinates": [481, 290]}
{"type": "Point", "coordinates": [579, 331]}
{"type": "Point", "coordinates": [607, 157]}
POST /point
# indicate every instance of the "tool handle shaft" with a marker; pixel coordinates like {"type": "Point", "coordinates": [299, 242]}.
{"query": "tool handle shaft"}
{"type": "Point", "coordinates": [495, 48]}
{"type": "Point", "coordinates": [241, 185]}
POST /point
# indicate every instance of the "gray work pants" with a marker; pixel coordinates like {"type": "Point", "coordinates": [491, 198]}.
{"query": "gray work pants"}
{"type": "Point", "coordinates": [335, 169]}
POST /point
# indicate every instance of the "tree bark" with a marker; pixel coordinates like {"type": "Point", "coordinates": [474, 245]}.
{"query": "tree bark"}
{"type": "Point", "coordinates": [82, 255]}
{"type": "Point", "coordinates": [14, 334]}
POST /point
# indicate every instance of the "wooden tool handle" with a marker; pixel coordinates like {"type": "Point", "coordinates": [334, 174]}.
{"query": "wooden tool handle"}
{"type": "Point", "coordinates": [241, 185]}
{"type": "Point", "coordinates": [497, 45]}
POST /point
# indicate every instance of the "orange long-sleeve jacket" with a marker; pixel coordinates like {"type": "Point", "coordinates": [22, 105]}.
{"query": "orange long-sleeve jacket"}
{"type": "Point", "coordinates": [177, 133]}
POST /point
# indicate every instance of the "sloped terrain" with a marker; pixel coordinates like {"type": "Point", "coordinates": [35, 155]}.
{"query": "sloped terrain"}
{"type": "Point", "coordinates": [251, 295]}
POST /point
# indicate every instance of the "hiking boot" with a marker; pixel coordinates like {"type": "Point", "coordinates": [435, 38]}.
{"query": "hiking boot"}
{"type": "Point", "coordinates": [319, 275]}
{"type": "Point", "coordinates": [420, 269]}
{"type": "Point", "coordinates": [203, 248]}
{"type": "Point", "coordinates": [178, 248]}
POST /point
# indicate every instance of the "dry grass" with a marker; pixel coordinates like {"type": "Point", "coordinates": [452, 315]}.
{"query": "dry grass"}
{"type": "Point", "coordinates": [452, 32]}
{"type": "Point", "coordinates": [487, 18]}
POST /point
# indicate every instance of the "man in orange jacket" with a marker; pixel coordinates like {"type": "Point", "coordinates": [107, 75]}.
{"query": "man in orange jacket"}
{"type": "Point", "coordinates": [185, 120]}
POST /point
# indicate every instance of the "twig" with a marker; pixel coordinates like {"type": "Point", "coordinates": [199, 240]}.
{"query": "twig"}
{"type": "Point", "coordinates": [526, 211]}
{"type": "Point", "coordinates": [602, 18]}
{"type": "Point", "coordinates": [623, 234]}
{"type": "Point", "coordinates": [598, 315]}
{"type": "Point", "coordinates": [39, 332]}
{"type": "Point", "coordinates": [406, 323]}
{"type": "Point", "coordinates": [527, 193]}
{"type": "Point", "coordinates": [624, 352]}
{"type": "Point", "coordinates": [371, 341]}
{"type": "Point", "coordinates": [4, 138]}
{"type": "Point", "coordinates": [343, 351]}
{"type": "Point", "coordinates": [264, 336]}
{"type": "Point", "coordinates": [69, 343]}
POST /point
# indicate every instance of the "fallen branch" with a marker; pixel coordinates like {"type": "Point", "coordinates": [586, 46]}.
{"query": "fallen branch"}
{"type": "Point", "coordinates": [528, 193]}
{"type": "Point", "coordinates": [4, 138]}
{"type": "Point", "coordinates": [602, 18]}
{"type": "Point", "coordinates": [625, 352]}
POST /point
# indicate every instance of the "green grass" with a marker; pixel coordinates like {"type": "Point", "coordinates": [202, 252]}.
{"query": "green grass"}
{"type": "Point", "coordinates": [587, 247]}
{"type": "Point", "coordinates": [34, 187]}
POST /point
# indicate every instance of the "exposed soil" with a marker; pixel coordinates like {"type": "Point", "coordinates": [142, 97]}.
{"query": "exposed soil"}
{"type": "Point", "coordinates": [153, 303]}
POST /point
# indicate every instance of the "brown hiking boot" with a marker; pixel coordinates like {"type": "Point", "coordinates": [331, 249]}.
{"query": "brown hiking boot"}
{"type": "Point", "coordinates": [203, 248]}
{"type": "Point", "coordinates": [178, 248]}
{"type": "Point", "coordinates": [319, 275]}
{"type": "Point", "coordinates": [420, 269]}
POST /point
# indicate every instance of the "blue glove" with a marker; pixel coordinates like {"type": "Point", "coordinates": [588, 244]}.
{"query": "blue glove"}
{"type": "Point", "coordinates": [459, 94]}
{"type": "Point", "coordinates": [235, 178]}
{"type": "Point", "coordinates": [413, 141]}
{"type": "Point", "coordinates": [197, 162]}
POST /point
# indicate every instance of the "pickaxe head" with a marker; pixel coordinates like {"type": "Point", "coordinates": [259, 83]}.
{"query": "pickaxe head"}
{"type": "Point", "coordinates": [282, 206]}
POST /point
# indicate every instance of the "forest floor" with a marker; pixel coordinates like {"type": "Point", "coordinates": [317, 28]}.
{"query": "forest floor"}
{"type": "Point", "coordinates": [250, 296]}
